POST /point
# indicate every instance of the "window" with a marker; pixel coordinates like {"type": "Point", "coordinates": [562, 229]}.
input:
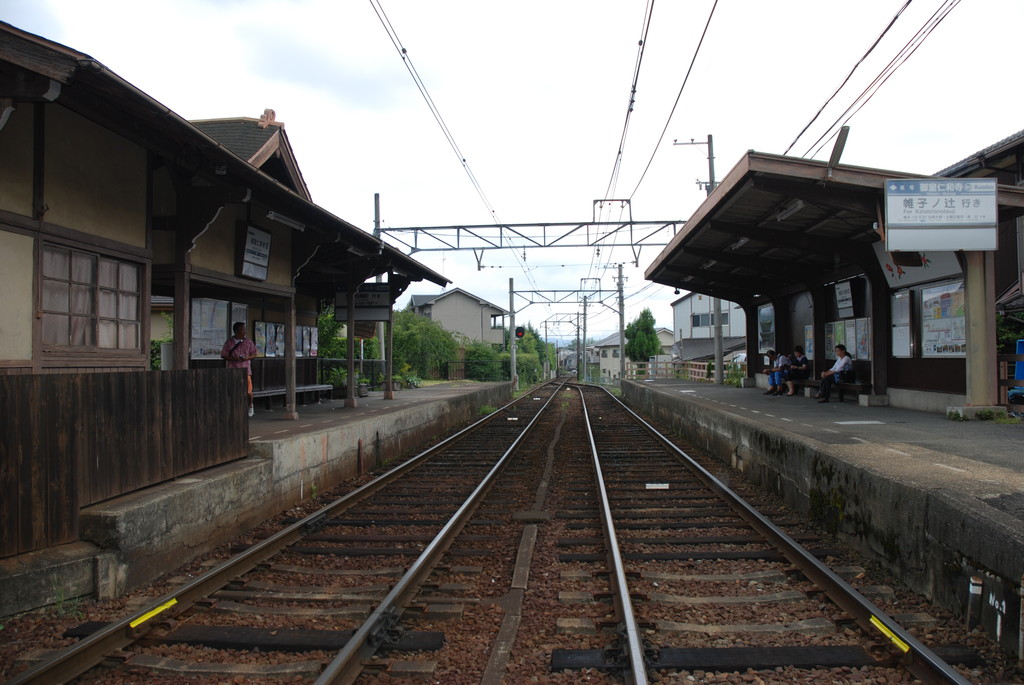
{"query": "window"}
{"type": "Point", "coordinates": [704, 320]}
{"type": "Point", "coordinates": [604, 353]}
{"type": "Point", "coordinates": [615, 354]}
{"type": "Point", "coordinates": [89, 301]}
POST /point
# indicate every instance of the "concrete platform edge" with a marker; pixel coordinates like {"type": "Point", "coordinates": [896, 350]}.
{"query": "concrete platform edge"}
{"type": "Point", "coordinates": [932, 538]}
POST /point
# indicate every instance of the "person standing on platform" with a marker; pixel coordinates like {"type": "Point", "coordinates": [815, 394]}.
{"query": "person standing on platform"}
{"type": "Point", "coordinates": [837, 374]}
{"type": "Point", "coordinates": [238, 350]}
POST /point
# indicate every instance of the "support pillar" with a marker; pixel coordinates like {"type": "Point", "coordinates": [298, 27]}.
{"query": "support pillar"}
{"type": "Point", "coordinates": [979, 294]}
{"type": "Point", "coordinates": [182, 319]}
{"type": "Point", "coordinates": [290, 411]}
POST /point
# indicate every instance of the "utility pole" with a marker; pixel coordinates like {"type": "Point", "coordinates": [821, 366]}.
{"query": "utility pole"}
{"type": "Point", "coordinates": [579, 353]}
{"type": "Point", "coordinates": [716, 304]}
{"type": "Point", "coordinates": [547, 363]}
{"type": "Point", "coordinates": [586, 359]}
{"type": "Point", "coordinates": [512, 335]}
{"type": "Point", "coordinates": [389, 392]}
{"type": "Point", "coordinates": [622, 331]}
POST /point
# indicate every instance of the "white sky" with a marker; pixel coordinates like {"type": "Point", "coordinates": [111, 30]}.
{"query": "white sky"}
{"type": "Point", "coordinates": [535, 96]}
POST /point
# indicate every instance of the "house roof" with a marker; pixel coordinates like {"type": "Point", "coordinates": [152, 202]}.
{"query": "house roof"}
{"type": "Point", "coordinates": [704, 348]}
{"type": "Point", "coordinates": [39, 70]}
{"type": "Point", "coordinates": [985, 161]}
{"type": "Point", "coordinates": [262, 142]}
{"type": "Point", "coordinates": [421, 300]}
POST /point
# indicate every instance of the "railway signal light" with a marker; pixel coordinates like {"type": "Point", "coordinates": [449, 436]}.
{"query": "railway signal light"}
{"type": "Point", "coordinates": [520, 332]}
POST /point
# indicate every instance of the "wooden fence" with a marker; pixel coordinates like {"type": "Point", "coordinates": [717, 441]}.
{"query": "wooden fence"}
{"type": "Point", "coordinates": [71, 440]}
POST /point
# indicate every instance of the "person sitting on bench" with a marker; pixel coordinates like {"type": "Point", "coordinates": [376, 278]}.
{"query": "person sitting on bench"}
{"type": "Point", "coordinates": [799, 369]}
{"type": "Point", "coordinates": [841, 372]}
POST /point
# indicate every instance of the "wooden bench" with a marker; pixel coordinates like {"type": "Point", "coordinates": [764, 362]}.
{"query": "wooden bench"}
{"type": "Point", "coordinates": [858, 388]}
{"type": "Point", "coordinates": [303, 393]}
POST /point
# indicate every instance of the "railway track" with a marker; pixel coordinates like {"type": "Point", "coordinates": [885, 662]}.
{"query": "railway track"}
{"type": "Point", "coordinates": [560, 539]}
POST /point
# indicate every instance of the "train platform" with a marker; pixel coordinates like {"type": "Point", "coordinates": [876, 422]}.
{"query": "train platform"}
{"type": "Point", "coordinates": [128, 541]}
{"type": "Point", "coordinates": [938, 502]}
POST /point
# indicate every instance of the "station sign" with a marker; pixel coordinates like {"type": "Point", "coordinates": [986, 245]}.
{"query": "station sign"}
{"type": "Point", "coordinates": [372, 302]}
{"type": "Point", "coordinates": [941, 214]}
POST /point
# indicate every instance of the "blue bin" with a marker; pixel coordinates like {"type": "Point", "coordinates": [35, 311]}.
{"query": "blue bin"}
{"type": "Point", "coordinates": [1016, 395]}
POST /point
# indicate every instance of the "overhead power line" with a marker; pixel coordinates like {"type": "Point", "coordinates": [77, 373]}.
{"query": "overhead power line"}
{"type": "Point", "coordinates": [847, 79]}
{"type": "Point", "coordinates": [421, 86]}
{"type": "Point", "coordinates": [899, 60]}
{"type": "Point", "coordinates": [613, 180]}
{"type": "Point", "coordinates": [693, 60]}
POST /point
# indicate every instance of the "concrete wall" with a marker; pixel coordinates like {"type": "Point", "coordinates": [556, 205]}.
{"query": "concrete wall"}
{"type": "Point", "coordinates": [131, 540]}
{"type": "Point", "coordinates": [891, 505]}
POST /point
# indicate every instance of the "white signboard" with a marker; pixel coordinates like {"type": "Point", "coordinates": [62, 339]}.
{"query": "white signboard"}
{"type": "Point", "coordinates": [844, 299]}
{"type": "Point", "coordinates": [941, 214]}
{"type": "Point", "coordinates": [256, 256]}
{"type": "Point", "coordinates": [372, 303]}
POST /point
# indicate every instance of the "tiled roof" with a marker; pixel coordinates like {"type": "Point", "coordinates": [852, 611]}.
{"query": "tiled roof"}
{"type": "Point", "coordinates": [242, 136]}
{"type": "Point", "coordinates": [704, 348]}
{"type": "Point", "coordinates": [420, 300]}
{"type": "Point", "coordinates": [964, 164]}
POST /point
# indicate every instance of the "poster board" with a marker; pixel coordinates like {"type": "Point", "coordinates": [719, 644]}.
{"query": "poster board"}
{"type": "Point", "coordinates": [943, 321]}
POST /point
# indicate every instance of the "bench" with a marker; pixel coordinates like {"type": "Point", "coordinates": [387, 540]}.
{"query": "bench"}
{"type": "Point", "coordinates": [302, 393]}
{"type": "Point", "coordinates": [811, 383]}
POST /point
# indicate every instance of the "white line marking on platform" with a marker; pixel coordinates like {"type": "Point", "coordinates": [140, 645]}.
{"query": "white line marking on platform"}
{"type": "Point", "coordinates": [255, 437]}
{"type": "Point", "coordinates": [687, 391]}
{"type": "Point", "coordinates": [860, 423]}
{"type": "Point", "coordinates": [770, 415]}
{"type": "Point", "coordinates": [785, 419]}
{"type": "Point", "coordinates": [281, 431]}
{"type": "Point", "coordinates": [305, 425]}
{"type": "Point", "coordinates": [861, 440]}
{"type": "Point", "coordinates": [952, 468]}
{"type": "Point", "coordinates": [892, 449]}
{"type": "Point", "coordinates": [829, 430]}
{"type": "Point", "coordinates": [755, 411]}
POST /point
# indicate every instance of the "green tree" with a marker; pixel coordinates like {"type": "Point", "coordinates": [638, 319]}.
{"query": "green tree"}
{"type": "Point", "coordinates": [483, 362]}
{"type": "Point", "coordinates": [1009, 329]}
{"type": "Point", "coordinates": [421, 345]}
{"type": "Point", "coordinates": [330, 346]}
{"type": "Point", "coordinates": [641, 339]}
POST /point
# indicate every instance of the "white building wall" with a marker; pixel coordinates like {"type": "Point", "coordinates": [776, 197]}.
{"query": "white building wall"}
{"type": "Point", "coordinates": [695, 303]}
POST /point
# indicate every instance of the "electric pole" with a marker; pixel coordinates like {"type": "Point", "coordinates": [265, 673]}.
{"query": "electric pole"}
{"type": "Point", "coordinates": [622, 331]}
{"type": "Point", "coordinates": [512, 335]}
{"type": "Point", "coordinates": [716, 304]}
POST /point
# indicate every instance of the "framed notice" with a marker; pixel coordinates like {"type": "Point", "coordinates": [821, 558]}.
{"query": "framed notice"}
{"type": "Point", "coordinates": [863, 337]}
{"type": "Point", "coordinates": [838, 335]}
{"type": "Point", "coordinates": [255, 254]}
{"type": "Point", "coordinates": [765, 328]}
{"type": "Point", "coordinates": [901, 325]}
{"type": "Point", "coordinates": [259, 337]}
{"type": "Point", "coordinates": [851, 336]}
{"type": "Point", "coordinates": [809, 341]}
{"type": "Point", "coordinates": [943, 321]}
{"type": "Point", "coordinates": [830, 338]}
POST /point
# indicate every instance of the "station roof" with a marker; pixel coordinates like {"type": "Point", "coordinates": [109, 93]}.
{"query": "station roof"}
{"type": "Point", "coordinates": [33, 68]}
{"type": "Point", "coordinates": [777, 225]}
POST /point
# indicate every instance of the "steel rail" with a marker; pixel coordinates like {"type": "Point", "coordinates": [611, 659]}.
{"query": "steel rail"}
{"type": "Point", "coordinates": [637, 674]}
{"type": "Point", "coordinates": [348, 663]}
{"type": "Point", "coordinates": [917, 658]}
{"type": "Point", "coordinates": [85, 654]}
